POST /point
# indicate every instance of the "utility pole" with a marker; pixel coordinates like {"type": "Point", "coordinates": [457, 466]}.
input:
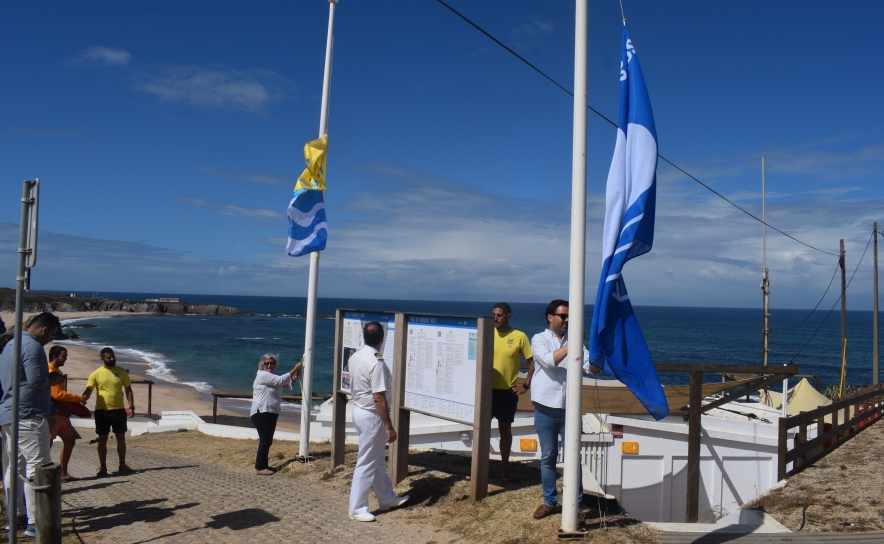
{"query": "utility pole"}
{"type": "Point", "coordinates": [875, 310]}
{"type": "Point", "coordinates": [765, 279]}
{"type": "Point", "coordinates": [843, 318]}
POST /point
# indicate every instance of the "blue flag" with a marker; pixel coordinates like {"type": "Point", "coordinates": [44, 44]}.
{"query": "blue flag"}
{"type": "Point", "coordinates": [308, 230]}
{"type": "Point", "coordinates": [615, 339]}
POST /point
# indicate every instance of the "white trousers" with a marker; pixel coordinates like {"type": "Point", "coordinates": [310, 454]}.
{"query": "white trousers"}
{"type": "Point", "coordinates": [32, 450]}
{"type": "Point", "coordinates": [370, 473]}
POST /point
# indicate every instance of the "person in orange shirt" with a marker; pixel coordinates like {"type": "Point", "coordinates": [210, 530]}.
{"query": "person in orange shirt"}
{"type": "Point", "coordinates": [61, 426]}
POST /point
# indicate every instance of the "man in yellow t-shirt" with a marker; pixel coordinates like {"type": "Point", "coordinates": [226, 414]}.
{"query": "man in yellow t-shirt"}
{"type": "Point", "coordinates": [110, 412]}
{"type": "Point", "coordinates": [510, 347]}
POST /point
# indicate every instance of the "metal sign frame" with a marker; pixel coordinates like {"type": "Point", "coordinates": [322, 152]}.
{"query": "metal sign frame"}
{"type": "Point", "coordinates": [401, 416]}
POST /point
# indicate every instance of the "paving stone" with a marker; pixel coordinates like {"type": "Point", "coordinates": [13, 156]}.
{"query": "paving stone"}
{"type": "Point", "coordinates": [180, 500]}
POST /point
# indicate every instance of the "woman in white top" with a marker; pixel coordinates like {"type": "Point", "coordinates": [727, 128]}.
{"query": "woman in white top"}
{"type": "Point", "coordinates": [266, 400]}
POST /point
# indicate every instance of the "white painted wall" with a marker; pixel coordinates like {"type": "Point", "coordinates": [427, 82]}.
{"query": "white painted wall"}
{"type": "Point", "coordinates": [737, 462]}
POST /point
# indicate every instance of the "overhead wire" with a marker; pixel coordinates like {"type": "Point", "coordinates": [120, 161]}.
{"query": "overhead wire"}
{"type": "Point", "coordinates": [836, 301]}
{"type": "Point", "coordinates": [837, 266]}
{"type": "Point", "coordinates": [595, 111]}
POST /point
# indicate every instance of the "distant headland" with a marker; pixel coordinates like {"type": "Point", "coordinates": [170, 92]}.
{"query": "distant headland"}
{"type": "Point", "coordinates": [55, 302]}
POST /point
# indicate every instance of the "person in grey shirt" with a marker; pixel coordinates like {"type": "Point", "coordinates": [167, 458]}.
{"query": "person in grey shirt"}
{"type": "Point", "coordinates": [266, 405]}
{"type": "Point", "coordinates": [34, 409]}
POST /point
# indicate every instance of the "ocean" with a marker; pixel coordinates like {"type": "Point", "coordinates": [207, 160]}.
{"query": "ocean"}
{"type": "Point", "coordinates": [222, 353]}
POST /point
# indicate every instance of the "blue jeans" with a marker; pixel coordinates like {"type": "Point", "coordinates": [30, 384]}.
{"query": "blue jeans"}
{"type": "Point", "coordinates": [550, 425]}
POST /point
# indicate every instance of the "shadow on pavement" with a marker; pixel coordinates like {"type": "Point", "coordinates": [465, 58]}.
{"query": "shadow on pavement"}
{"type": "Point", "coordinates": [102, 485]}
{"type": "Point", "coordinates": [98, 518]}
{"type": "Point", "coordinates": [140, 470]}
{"type": "Point", "coordinates": [242, 519]}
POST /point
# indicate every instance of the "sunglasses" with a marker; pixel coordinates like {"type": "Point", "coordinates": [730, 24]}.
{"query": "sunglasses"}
{"type": "Point", "coordinates": [274, 363]}
{"type": "Point", "coordinates": [563, 317]}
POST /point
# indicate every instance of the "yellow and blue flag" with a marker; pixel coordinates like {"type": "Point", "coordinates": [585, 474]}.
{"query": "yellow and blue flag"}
{"type": "Point", "coordinates": [308, 230]}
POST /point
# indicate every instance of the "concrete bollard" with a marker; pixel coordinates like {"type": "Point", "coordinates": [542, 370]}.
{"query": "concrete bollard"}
{"type": "Point", "coordinates": [47, 483]}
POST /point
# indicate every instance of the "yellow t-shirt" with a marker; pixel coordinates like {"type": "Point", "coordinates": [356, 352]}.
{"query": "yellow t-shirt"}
{"type": "Point", "coordinates": [109, 384]}
{"type": "Point", "coordinates": [509, 349]}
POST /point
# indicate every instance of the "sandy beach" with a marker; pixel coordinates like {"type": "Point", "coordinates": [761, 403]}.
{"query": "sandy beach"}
{"type": "Point", "coordinates": [82, 360]}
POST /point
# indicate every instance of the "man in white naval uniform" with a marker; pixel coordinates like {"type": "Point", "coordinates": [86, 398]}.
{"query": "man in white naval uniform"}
{"type": "Point", "coordinates": [370, 387]}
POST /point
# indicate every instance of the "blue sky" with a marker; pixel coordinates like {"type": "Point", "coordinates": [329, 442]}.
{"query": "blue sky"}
{"type": "Point", "coordinates": [168, 135]}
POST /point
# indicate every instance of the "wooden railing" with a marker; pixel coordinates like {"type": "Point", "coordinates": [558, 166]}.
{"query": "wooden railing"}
{"type": "Point", "coordinates": [134, 382]}
{"type": "Point", "coordinates": [222, 395]}
{"type": "Point", "coordinates": [847, 418]}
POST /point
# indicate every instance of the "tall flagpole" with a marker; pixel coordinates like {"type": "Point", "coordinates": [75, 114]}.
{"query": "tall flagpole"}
{"type": "Point", "coordinates": [573, 406]}
{"type": "Point", "coordinates": [313, 281]}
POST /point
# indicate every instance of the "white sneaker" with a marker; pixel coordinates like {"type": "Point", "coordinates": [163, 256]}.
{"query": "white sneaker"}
{"type": "Point", "coordinates": [399, 501]}
{"type": "Point", "coordinates": [362, 516]}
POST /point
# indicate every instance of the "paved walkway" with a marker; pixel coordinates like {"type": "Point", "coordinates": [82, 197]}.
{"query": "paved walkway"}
{"type": "Point", "coordinates": [176, 499]}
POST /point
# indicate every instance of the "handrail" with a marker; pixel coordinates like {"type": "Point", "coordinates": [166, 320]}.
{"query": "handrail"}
{"type": "Point", "coordinates": [703, 367]}
{"type": "Point", "coordinates": [860, 411]}
{"type": "Point", "coordinates": [138, 381]}
{"type": "Point", "coordinates": [861, 395]}
{"type": "Point", "coordinates": [227, 395]}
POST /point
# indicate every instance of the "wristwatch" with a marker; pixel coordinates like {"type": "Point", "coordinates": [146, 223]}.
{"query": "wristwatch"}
{"type": "Point", "coordinates": [526, 386]}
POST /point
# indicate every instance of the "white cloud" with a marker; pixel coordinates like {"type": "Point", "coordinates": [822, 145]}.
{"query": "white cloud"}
{"type": "Point", "coordinates": [407, 235]}
{"type": "Point", "coordinates": [260, 178]}
{"type": "Point", "coordinates": [530, 35]}
{"type": "Point", "coordinates": [228, 208]}
{"type": "Point", "coordinates": [249, 90]}
{"type": "Point", "coordinates": [106, 55]}
{"type": "Point", "coordinates": [832, 159]}
{"type": "Point", "coordinates": [212, 87]}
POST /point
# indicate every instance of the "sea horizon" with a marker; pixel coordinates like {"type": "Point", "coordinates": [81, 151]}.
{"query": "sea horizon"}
{"type": "Point", "coordinates": [198, 298]}
{"type": "Point", "coordinates": [220, 353]}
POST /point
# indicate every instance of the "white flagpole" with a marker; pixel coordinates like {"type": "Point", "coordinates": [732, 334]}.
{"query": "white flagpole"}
{"type": "Point", "coordinates": [573, 407]}
{"type": "Point", "coordinates": [313, 281]}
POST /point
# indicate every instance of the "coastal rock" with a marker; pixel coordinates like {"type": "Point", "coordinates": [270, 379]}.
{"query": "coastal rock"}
{"type": "Point", "coordinates": [83, 326]}
{"type": "Point", "coordinates": [71, 335]}
{"type": "Point", "coordinates": [49, 302]}
{"type": "Point", "coordinates": [2, 326]}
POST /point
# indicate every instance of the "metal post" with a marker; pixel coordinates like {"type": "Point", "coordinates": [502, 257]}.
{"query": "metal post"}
{"type": "Point", "coordinates": [13, 489]}
{"type": "Point", "coordinates": [313, 281]}
{"type": "Point", "coordinates": [765, 279]}
{"type": "Point", "coordinates": [875, 310]}
{"type": "Point", "coordinates": [577, 276]}
{"type": "Point", "coordinates": [694, 433]}
{"type": "Point", "coordinates": [48, 503]}
{"type": "Point", "coordinates": [785, 393]}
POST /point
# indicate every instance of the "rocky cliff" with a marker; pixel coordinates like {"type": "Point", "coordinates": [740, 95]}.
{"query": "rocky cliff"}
{"type": "Point", "coordinates": [51, 302]}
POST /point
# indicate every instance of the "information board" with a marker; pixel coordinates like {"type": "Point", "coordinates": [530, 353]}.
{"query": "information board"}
{"type": "Point", "coordinates": [353, 324]}
{"type": "Point", "coordinates": [440, 372]}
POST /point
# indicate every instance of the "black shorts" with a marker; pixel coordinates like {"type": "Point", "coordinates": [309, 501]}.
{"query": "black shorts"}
{"type": "Point", "coordinates": [503, 405]}
{"type": "Point", "coordinates": [105, 420]}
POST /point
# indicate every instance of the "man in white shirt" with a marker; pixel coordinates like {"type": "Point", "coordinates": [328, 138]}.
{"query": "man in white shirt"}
{"type": "Point", "coordinates": [548, 388]}
{"type": "Point", "coordinates": [370, 387]}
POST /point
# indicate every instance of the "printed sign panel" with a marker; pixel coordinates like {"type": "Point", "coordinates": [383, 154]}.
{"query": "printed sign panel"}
{"type": "Point", "coordinates": [440, 372]}
{"type": "Point", "coordinates": [353, 324]}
